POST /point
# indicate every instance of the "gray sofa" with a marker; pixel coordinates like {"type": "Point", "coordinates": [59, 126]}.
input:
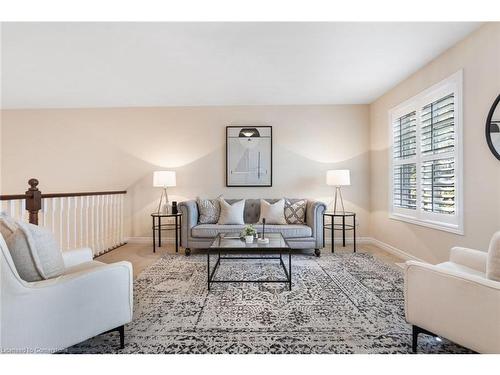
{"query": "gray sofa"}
{"type": "Point", "coordinates": [200, 236]}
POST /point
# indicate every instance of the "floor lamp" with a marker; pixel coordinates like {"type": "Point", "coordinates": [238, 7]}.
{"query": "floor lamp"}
{"type": "Point", "coordinates": [164, 179]}
{"type": "Point", "coordinates": [338, 178]}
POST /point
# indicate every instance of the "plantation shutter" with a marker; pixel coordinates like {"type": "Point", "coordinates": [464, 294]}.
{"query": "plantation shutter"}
{"type": "Point", "coordinates": [405, 136]}
{"type": "Point", "coordinates": [438, 126]}
{"type": "Point", "coordinates": [404, 151]}
{"type": "Point", "coordinates": [405, 186]}
{"type": "Point", "coordinates": [437, 151]}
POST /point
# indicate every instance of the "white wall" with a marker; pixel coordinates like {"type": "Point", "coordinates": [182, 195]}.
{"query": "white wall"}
{"type": "Point", "coordinates": [479, 57]}
{"type": "Point", "coordinates": [108, 149]}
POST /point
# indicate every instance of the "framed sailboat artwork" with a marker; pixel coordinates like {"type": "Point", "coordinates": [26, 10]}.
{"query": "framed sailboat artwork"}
{"type": "Point", "coordinates": [249, 156]}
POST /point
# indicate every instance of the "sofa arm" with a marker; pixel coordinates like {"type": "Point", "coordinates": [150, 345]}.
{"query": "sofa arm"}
{"type": "Point", "coordinates": [460, 307]}
{"type": "Point", "coordinates": [77, 256]}
{"type": "Point", "coordinates": [314, 219]}
{"type": "Point", "coordinates": [189, 210]}
{"type": "Point", "coordinates": [474, 259]}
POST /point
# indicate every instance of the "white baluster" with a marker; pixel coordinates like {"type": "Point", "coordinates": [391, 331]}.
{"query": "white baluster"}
{"type": "Point", "coordinates": [12, 208]}
{"type": "Point", "coordinates": [121, 218]}
{"type": "Point", "coordinates": [80, 244]}
{"type": "Point", "coordinates": [106, 223]}
{"type": "Point", "coordinates": [61, 222]}
{"type": "Point", "coordinates": [93, 224]}
{"type": "Point", "coordinates": [97, 225]}
{"type": "Point", "coordinates": [75, 222]}
{"type": "Point", "coordinates": [68, 223]}
{"type": "Point", "coordinates": [53, 214]}
{"type": "Point", "coordinates": [88, 242]}
{"type": "Point", "coordinates": [44, 212]}
{"type": "Point", "coordinates": [115, 237]}
{"type": "Point", "coordinates": [103, 225]}
{"type": "Point", "coordinates": [21, 206]}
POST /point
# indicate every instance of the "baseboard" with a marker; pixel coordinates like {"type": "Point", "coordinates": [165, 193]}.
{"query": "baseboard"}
{"type": "Point", "coordinates": [148, 240]}
{"type": "Point", "coordinates": [360, 240]}
{"type": "Point", "coordinates": [394, 250]}
{"type": "Point", "coordinates": [349, 240]}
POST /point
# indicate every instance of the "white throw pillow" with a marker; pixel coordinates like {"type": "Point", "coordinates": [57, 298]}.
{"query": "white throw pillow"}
{"type": "Point", "coordinates": [231, 213]}
{"type": "Point", "coordinates": [493, 261]}
{"type": "Point", "coordinates": [274, 213]}
{"type": "Point", "coordinates": [33, 249]}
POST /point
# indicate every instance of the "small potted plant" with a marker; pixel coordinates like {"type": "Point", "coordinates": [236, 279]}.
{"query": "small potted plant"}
{"type": "Point", "coordinates": [249, 233]}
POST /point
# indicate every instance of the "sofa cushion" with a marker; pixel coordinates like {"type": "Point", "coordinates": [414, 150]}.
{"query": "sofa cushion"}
{"type": "Point", "coordinates": [493, 260]}
{"type": "Point", "coordinates": [231, 213]}
{"type": "Point", "coordinates": [295, 211]}
{"type": "Point", "coordinates": [34, 251]}
{"type": "Point", "coordinates": [274, 213]}
{"type": "Point", "coordinates": [209, 210]}
{"type": "Point", "coordinates": [288, 231]}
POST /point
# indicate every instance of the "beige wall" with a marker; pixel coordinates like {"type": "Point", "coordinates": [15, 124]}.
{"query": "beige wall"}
{"type": "Point", "coordinates": [479, 57]}
{"type": "Point", "coordinates": [107, 149]}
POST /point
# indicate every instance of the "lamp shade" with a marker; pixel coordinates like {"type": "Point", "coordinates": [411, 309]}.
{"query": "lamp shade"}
{"type": "Point", "coordinates": [164, 178]}
{"type": "Point", "coordinates": [338, 177]}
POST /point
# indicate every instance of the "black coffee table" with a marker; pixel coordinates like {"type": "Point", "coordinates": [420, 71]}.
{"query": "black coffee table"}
{"type": "Point", "coordinates": [226, 244]}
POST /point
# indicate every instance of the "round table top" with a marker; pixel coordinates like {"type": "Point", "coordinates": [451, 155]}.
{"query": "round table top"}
{"type": "Point", "coordinates": [161, 214]}
{"type": "Point", "coordinates": [339, 213]}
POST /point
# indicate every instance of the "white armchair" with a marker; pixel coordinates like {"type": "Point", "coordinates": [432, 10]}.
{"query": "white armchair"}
{"type": "Point", "coordinates": [454, 300]}
{"type": "Point", "coordinates": [90, 298]}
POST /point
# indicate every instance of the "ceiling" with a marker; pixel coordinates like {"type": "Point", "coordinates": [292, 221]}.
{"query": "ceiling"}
{"type": "Point", "coordinates": [52, 65]}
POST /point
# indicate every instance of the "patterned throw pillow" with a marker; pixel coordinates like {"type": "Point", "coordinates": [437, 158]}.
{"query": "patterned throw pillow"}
{"type": "Point", "coordinates": [209, 210]}
{"type": "Point", "coordinates": [295, 211]}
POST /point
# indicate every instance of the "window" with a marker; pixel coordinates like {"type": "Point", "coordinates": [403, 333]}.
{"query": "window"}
{"type": "Point", "coordinates": [426, 157]}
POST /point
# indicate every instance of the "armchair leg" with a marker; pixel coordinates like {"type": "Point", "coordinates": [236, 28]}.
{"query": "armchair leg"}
{"type": "Point", "coordinates": [121, 330]}
{"type": "Point", "coordinates": [415, 331]}
{"type": "Point", "coordinates": [317, 252]}
{"type": "Point", "coordinates": [188, 251]}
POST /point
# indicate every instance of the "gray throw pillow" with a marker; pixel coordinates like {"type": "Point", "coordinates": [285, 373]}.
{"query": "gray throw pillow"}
{"type": "Point", "coordinates": [231, 213]}
{"type": "Point", "coordinates": [209, 210]}
{"type": "Point", "coordinates": [493, 260]}
{"type": "Point", "coordinates": [34, 251]}
{"type": "Point", "coordinates": [295, 211]}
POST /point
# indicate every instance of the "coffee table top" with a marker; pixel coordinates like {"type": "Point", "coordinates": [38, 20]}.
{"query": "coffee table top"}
{"type": "Point", "coordinates": [229, 241]}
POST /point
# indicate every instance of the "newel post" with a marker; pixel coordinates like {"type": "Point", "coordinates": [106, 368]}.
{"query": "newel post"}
{"type": "Point", "coordinates": [33, 201]}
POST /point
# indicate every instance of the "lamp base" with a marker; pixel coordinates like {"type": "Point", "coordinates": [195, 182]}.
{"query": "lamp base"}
{"type": "Point", "coordinates": [338, 193]}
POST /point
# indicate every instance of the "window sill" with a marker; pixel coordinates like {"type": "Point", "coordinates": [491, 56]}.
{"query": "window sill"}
{"type": "Point", "coordinates": [451, 228]}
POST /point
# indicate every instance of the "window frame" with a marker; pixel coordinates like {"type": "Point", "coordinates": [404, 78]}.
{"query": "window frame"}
{"type": "Point", "coordinates": [449, 223]}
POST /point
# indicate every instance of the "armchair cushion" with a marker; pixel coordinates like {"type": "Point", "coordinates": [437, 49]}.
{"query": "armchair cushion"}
{"type": "Point", "coordinates": [77, 256]}
{"type": "Point", "coordinates": [470, 258]}
{"type": "Point", "coordinates": [35, 252]}
{"type": "Point", "coordinates": [493, 262]}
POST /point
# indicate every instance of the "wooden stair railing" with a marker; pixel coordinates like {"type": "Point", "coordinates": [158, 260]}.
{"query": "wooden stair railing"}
{"type": "Point", "coordinates": [92, 219]}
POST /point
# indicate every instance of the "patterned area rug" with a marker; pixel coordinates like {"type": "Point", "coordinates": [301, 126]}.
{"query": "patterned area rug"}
{"type": "Point", "coordinates": [342, 303]}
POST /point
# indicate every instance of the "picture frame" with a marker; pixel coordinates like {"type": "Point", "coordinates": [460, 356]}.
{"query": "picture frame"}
{"type": "Point", "coordinates": [249, 156]}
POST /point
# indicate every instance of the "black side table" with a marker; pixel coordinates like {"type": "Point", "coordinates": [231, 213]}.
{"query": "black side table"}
{"type": "Point", "coordinates": [176, 226]}
{"type": "Point", "coordinates": [337, 226]}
